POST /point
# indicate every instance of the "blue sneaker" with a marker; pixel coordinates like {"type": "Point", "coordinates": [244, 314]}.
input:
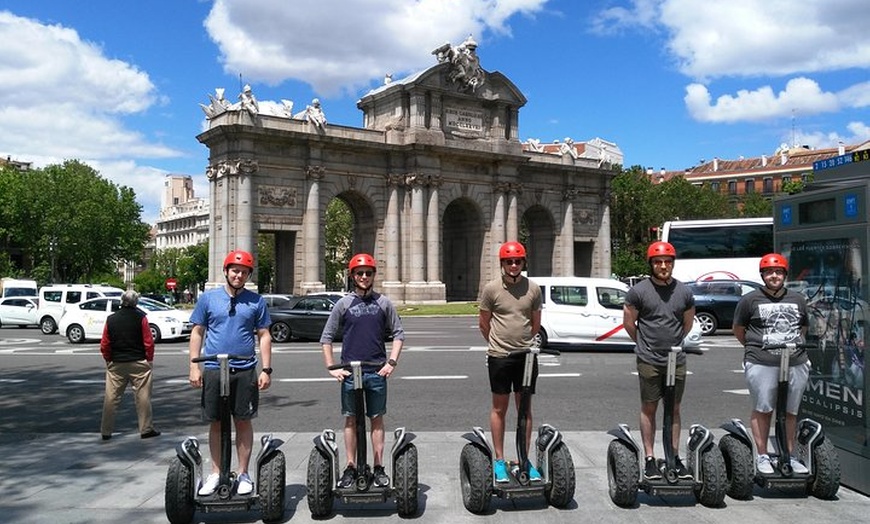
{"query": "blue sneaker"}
{"type": "Point", "coordinates": [534, 474]}
{"type": "Point", "coordinates": [500, 469]}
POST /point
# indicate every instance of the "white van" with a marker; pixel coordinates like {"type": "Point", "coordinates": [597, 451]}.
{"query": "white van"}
{"type": "Point", "coordinates": [53, 299]}
{"type": "Point", "coordinates": [13, 287]}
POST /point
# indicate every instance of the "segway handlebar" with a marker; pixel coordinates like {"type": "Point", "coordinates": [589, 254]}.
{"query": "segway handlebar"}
{"type": "Point", "coordinates": [215, 358]}
{"type": "Point", "coordinates": [349, 365]}
{"type": "Point", "coordinates": [695, 350]}
{"type": "Point", "coordinates": [525, 351]}
{"type": "Point", "coordinates": [790, 345]}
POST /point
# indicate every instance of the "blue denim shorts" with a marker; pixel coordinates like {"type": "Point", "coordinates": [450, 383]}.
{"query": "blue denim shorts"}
{"type": "Point", "coordinates": [375, 388]}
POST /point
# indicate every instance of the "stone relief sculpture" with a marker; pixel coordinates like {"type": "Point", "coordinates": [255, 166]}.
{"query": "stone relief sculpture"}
{"type": "Point", "coordinates": [465, 70]}
{"type": "Point", "coordinates": [535, 145]}
{"type": "Point", "coordinates": [217, 105]}
{"type": "Point", "coordinates": [567, 147]}
{"type": "Point", "coordinates": [314, 114]}
{"type": "Point", "coordinates": [249, 101]}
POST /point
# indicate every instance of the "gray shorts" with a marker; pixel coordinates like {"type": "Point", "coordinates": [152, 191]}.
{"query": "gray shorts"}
{"type": "Point", "coordinates": [762, 381]}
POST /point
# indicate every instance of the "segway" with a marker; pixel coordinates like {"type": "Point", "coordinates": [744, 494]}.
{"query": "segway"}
{"type": "Point", "coordinates": [817, 452]}
{"type": "Point", "coordinates": [625, 457]}
{"type": "Point", "coordinates": [323, 469]}
{"type": "Point", "coordinates": [185, 469]}
{"type": "Point", "coordinates": [554, 461]}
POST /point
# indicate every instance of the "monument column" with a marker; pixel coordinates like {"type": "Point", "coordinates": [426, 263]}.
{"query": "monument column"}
{"type": "Point", "coordinates": [311, 231]}
{"type": "Point", "coordinates": [433, 233]}
{"type": "Point", "coordinates": [567, 258]}
{"type": "Point", "coordinates": [513, 224]}
{"type": "Point", "coordinates": [418, 234]}
{"type": "Point", "coordinates": [392, 280]}
{"type": "Point", "coordinates": [603, 243]}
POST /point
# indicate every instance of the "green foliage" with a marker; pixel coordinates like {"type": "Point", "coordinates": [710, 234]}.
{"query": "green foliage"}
{"type": "Point", "coordinates": [265, 262]}
{"type": "Point", "coordinates": [755, 205]}
{"type": "Point", "coordinates": [73, 224]}
{"type": "Point", "coordinates": [338, 233]}
{"type": "Point", "coordinates": [796, 185]}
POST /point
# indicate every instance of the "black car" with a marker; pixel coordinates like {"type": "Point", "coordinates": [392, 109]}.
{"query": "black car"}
{"type": "Point", "coordinates": [715, 301]}
{"type": "Point", "coordinates": [302, 317]}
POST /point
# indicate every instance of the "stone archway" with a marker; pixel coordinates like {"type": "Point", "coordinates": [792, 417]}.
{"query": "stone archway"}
{"type": "Point", "coordinates": [541, 243]}
{"type": "Point", "coordinates": [462, 237]}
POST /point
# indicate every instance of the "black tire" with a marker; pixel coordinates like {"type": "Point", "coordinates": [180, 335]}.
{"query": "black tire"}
{"type": "Point", "coordinates": [47, 325]}
{"type": "Point", "coordinates": [826, 471]}
{"type": "Point", "coordinates": [75, 334]}
{"type": "Point", "coordinates": [540, 340]}
{"type": "Point", "coordinates": [155, 333]}
{"type": "Point", "coordinates": [623, 473]}
{"type": "Point", "coordinates": [319, 484]}
{"type": "Point", "coordinates": [475, 477]}
{"type": "Point", "coordinates": [280, 331]}
{"type": "Point", "coordinates": [713, 485]}
{"type": "Point", "coordinates": [560, 491]}
{"type": "Point", "coordinates": [739, 467]}
{"type": "Point", "coordinates": [405, 481]}
{"type": "Point", "coordinates": [709, 322]}
{"type": "Point", "coordinates": [270, 487]}
{"type": "Point", "coordinates": [178, 497]}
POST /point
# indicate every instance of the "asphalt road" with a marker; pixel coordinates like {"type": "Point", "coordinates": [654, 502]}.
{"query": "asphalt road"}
{"type": "Point", "coordinates": [50, 386]}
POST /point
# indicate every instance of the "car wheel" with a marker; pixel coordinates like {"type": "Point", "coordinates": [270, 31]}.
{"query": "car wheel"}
{"type": "Point", "coordinates": [280, 331]}
{"type": "Point", "coordinates": [155, 333]}
{"type": "Point", "coordinates": [48, 325]}
{"type": "Point", "coordinates": [708, 321]}
{"type": "Point", "coordinates": [75, 333]}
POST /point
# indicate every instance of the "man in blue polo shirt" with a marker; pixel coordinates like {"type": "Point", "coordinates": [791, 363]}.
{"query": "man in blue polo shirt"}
{"type": "Point", "coordinates": [228, 317]}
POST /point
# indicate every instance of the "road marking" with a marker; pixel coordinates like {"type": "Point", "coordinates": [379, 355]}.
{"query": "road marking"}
{"type": "Point", "coordinates": [85, 381]}
{"type": "Point", "coordinates": [436, 377]}
{"type": "Point", "coordinates": [737, 391]}
{"type": "Point", "coordinates": [323, 379]}
{"type": "Point", "coordinates": [558, 375]}
{"type": "Point", "coordinates": [12, 380]}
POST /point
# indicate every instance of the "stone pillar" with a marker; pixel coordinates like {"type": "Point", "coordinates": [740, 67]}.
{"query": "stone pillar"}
{"type": "Point", "coordinates": [213, 271]}
{"type": "Point", "coordinates": [392, 242]}
{"type": "Point", "coordinates": [567, 236]}
{"type": "Point", "coordinates": [491, 266]}
{"type": "Point", "coordinates": [433, 233]}
{"type": "Point", "coordinates": [311, 232]}
{"type": "Point", "coordinates": [602, 245]}
{"type": "Point", "coordinates": [513, 223]}
{"type": "Point", "coordinates": [418, 238]}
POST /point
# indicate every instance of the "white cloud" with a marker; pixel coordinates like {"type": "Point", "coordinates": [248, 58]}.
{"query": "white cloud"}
{"type": "Point", "coordinates": [857, 133]}
{"type": "Point", "coordinates": [63, 98]}
{"type": "Point", "coordinates": [800, 95]}
{"type": "Point", "coordinates": [267, 42]}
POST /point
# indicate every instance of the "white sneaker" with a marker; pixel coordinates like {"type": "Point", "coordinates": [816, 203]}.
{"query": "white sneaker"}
{"type": "Point", "coordinates": [246, 485]}
{"type": "Point", "coordinates": [762, 463]}
{"type": "Point", "coordinates": [210, 485]}
{"type": "Point", "coordinates": [798, 467]}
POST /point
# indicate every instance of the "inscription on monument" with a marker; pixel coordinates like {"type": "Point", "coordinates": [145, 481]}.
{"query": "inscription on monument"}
{"type": "Point", "coordinates": [464, 122]}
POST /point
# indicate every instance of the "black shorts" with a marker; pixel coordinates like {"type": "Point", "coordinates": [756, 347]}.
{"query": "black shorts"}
{"type": "Point", "coordinates": [244, 393]}
{"type": "Point", "coordinates": [506, 374]}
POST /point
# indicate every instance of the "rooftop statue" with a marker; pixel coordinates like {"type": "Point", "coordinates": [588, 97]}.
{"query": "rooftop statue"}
{"type": "Point", "coordinates": [465, 65]}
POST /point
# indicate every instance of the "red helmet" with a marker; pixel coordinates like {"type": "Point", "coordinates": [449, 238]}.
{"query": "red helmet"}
{"type": "Point", "coordinates": [239, 257]}
{"type": "Point", "coordinates": [361, 259]}
{"type": "Point", "coordinates": [660, 249]}
{"type": "Point", "coordinates": [511, 250]}
{"type": "Point", "coordinates": [773, 260]}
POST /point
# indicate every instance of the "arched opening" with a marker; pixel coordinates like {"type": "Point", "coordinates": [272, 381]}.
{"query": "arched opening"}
{"type": "Point", "coordinates": [538, 229]}
{"type": "Point", "coordinates": [462, 241]}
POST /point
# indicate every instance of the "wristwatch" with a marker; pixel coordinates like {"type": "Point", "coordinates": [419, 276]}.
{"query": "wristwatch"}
{"type": "Point", "coordinates": [392, 362]}
{"type": "Point", "coordinates": [267, 371]}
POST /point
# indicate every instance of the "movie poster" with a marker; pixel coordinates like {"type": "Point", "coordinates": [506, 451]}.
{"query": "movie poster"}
{"type": "Point", "coordinates": [829, 273]}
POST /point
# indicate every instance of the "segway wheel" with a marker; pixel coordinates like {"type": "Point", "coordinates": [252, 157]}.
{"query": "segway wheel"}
{"type": "Point", "coordinates": [739, 469]}
{"type": "Point", "coordinates": [560, 491]}
{"type": "Point", "coordinates": [826, 470]}
{"type": "Point", "coordinates": [270, 487]}
{"type": "Point", "coordinates": [405, 481]}
{"type": "Point", "coordinates": [319, 484]}
{"type": "Point", "coordinates": [623, 473]}
{"type": "Point", "coordinates": [710, 489]}
{"type": "Point", "coordinates": [475, 477]}
{"type": "Point", "coordinates": [178, 497]}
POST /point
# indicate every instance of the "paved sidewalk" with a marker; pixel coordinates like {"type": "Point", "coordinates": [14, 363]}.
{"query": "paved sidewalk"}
{"type": "Point", "coordinates": [77, 478]}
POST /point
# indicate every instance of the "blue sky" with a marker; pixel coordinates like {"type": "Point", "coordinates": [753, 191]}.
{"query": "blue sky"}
{"type": "Point", "coordinates": [117, 83]}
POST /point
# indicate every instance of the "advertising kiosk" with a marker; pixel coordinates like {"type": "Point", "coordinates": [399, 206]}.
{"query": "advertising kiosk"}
{"type": "Point", "coordinates": [824, 232]}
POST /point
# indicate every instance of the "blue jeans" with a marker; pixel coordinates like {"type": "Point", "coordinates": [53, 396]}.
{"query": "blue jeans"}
{"type": "Point", "coordinates": [375, 389]}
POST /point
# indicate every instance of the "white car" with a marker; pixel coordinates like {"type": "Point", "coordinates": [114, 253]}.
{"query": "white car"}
{"type": "Point", "coordinates": [587, 312]}
{"type": "Point", "coordinates": [85, 321]}
{"type": "Point", "coordinates": [18, 311]}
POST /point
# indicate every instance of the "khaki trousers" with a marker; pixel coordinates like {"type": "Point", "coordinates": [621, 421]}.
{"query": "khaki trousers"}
{"type": "Point", "coordinates": [118, 375]}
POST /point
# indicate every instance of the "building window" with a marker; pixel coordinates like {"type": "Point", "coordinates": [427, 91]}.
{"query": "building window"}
{"type": "Point", "coordinates": [715, 187]}
{"type": "Point", "coordinates": [732, 187]}
{"type": "Point", "coordinates": [749, 186]}
{"type": "Point", "coordinates": [767, 185]}
{"type": "Point", "coordinates": [786, 179]}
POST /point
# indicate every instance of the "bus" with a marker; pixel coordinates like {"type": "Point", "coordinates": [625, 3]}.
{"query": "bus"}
{"type": "Point", "coordinates": [726, 248]}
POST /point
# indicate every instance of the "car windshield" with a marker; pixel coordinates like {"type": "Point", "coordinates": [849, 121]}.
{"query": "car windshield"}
{"type": "Point", "coordinates": [152, 305]}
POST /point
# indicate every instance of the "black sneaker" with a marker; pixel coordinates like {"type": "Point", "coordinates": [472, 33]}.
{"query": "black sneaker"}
{"type": "Point", "coordinates": [651, 469]}
{"type": "Point", "coordinates": [348, 477]}
{"type": "Point", "coordinates": [682, 472]}
{"type": "Point", "coordinates": [381, 479]}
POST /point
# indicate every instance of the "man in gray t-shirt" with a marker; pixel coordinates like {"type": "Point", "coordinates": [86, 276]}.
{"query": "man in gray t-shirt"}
{"type": "Point", "coordinates": [658, 314]}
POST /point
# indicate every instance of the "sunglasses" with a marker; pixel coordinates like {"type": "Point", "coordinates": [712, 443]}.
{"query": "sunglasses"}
{"type": "Point", "coordinates": [366, 273]}
{"type": "Point", "coordinates": [512, 261]}
{"type": "Point", "coordinates": [232, 306]}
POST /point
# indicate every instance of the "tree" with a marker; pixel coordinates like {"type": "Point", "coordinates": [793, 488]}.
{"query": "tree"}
{"type": "Point", "coordinates": [755, 205]}
{"type": "Point", "coordinates": [339, 239]}
{"type": "Point", "coordinates": [74, 224]}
